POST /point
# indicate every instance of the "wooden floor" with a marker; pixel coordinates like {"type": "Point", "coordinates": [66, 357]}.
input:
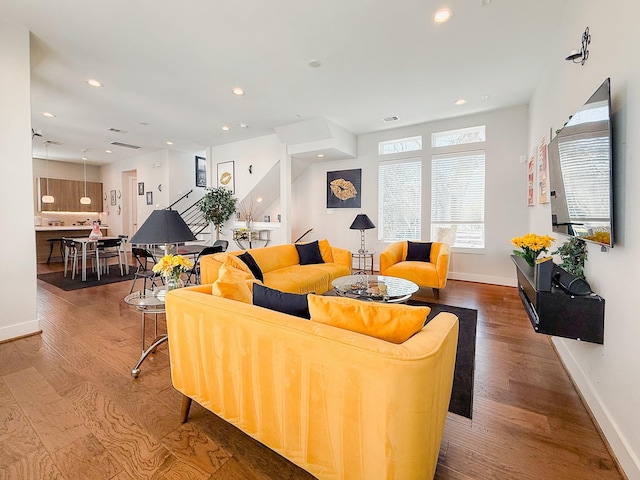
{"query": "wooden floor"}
{"type": "Point", "coordinates": [69, 407]}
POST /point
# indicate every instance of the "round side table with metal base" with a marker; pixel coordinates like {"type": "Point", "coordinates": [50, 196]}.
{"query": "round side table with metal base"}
{"type": "Point", "coordinates": [148, 302]}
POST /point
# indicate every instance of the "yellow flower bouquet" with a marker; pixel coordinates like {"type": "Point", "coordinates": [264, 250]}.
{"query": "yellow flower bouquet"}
{"type": "Point", "coordinates": [172, 266]}
{"type": "Point", "coordinates": [532, 246]}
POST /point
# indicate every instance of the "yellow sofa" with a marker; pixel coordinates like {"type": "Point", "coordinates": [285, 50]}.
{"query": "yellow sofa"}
{"type": "Point", "coordinates": [280, 265]}
{"type": "Point", "coordinates": [432, 274]}
{"type": "Point", "coordinates": [339, 404]}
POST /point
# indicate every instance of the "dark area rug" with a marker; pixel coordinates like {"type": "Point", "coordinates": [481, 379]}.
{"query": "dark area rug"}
{"type": "Point", "coordinates": [462, 393]}
{"type": "Point", "coordinates": [67, 284]}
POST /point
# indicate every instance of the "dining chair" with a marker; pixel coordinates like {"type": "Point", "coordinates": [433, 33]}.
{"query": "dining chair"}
{"type": "Point", "coordinates": [108, 249]}
{"type": "Point", "coordinates": [195, 270]}
{"type": "Point", "coordinates": [70, 252]}
{"type": "Point", "coordinates": [145, 261]}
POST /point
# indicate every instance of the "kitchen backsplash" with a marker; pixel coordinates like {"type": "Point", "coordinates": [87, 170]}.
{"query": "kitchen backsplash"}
{"type": "Point", "coordinates": [68, 218]}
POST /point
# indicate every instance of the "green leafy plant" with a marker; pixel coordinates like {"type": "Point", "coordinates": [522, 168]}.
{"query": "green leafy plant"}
{"type": "Point", "coordinates": [573, 253]}
{"type": "Point", "coordinates": [218, 205]}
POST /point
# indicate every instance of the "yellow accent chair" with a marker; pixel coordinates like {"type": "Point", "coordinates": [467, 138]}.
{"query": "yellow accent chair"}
{"type": "Point", "coordinates": [431, 274]}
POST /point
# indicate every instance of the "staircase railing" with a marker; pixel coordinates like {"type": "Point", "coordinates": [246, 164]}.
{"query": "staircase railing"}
{"type": "Point", "coordinates": [193, 216]}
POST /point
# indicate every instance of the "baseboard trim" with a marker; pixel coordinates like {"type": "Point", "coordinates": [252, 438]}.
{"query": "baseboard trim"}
{"type": "Point", "coordinates": [492, 280]}
{"type": "Point", "coordinates": [617, 445]}
{"type": "Point", "coordinates": [13, 332]}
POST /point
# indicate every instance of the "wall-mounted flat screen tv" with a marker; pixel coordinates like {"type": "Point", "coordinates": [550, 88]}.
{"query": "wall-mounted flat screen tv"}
{"type": "Point", "coordinates": [580, 172]}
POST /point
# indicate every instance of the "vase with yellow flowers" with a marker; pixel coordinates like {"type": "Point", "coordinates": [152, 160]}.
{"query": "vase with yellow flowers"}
{"type": "Point", "coordinates": [171, 267]}
{"type": "Point", "coordinates": [532, 245]}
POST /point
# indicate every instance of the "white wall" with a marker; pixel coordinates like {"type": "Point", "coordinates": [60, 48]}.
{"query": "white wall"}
{"type": "Point", "coordinates": [607, 375]}
{"type": "Point", "coordinates": [18, 250]}
{"type": "Point", "coordinates": [506, 213]}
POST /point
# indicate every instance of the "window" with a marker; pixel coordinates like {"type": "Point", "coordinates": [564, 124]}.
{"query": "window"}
{"type": "Point", "coordinates": [457, 199]}
{"type": "Point", "coordinates": [399, 197]}
{"type": "Point", "coordinates": [458, 137]}
{"type": "Point", "coordinates": [410, 144]}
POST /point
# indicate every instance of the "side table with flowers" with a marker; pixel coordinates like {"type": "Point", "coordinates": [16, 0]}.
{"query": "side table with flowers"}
{"type": "Point", "coordinates": [171, 267]}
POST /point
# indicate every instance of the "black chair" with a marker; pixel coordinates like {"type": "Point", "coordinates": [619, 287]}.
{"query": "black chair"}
{"type": "Point", "coordinates": [221, 243]}
{"type": "Point", "coordinates": [70, 252]}
{"type": "Point", "coordinates": [52, 241]}
{"type": "Point", "coordinates": [195, 270]}
{"type": "Point", "coordinates": [108, 249]}
{"type": "Point", "coordinates": [145, 261]}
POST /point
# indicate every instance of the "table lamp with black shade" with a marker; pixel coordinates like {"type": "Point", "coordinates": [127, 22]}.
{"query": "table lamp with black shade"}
{"type": "Point", "coordinates": [164, 228]}
{"type": "Point", "coordinates": [362, 223]}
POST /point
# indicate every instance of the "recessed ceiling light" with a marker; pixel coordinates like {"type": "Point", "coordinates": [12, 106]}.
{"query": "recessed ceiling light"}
{"type": "Point", "coordinates": [83, 158]}
{"type": "Point", "coordinates": [443, 15]}
{"type": "Point", "coordinates": [109, 151]}
{"type": "Point", "coordinates": [169, 143]}
{"type": "Point", "coordinates": [314, 63]}
{"type": "Point", "coordinates": [48, 114]}
{"type": "Point", "coordinates": [94, 83]}
{"type": "Point", "coordinates": [460, 101]}
{"type": "Point", "coordinates": [485, 96]}
{"type": "Point", "coordinates": [320, 155]}
{"type": "Point", "coordinates": [243, 125]}
{"type": "Point", "coordinates": [238, 91]}
{"type": "Point", "coordinates": [225, 128]}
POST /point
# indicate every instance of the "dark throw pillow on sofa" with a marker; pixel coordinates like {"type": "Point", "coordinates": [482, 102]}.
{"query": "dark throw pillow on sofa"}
{"type": "Point", "coordinates": [289, 303]}
{"type": "Point", "coordinates": [253, 266]}
{"type": "Point", "coordinates": [418, 251]}
{"type": "Point", "coordinates": [309, 253]}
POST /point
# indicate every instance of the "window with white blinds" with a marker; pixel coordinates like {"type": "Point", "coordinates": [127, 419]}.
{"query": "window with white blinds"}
{"type": "Point", "coordinates": [399, 199]}
{"type": "Point", "coordinates": [585, 173]}
{"type": "Point", "coordinates": [457, 199]}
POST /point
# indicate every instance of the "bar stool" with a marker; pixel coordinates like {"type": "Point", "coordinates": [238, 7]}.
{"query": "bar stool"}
{"type": "Point", "coordinates": [51, 243]}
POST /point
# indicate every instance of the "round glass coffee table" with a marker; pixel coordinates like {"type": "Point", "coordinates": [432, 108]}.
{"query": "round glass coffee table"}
{"type": "Point", "coordinates": [377, 288]}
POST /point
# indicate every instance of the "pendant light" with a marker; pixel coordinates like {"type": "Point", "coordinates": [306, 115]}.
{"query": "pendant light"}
{"type": "Point", "coordinates": [85, 200]}
{"type": "Point", "coordinates": [47, 198]}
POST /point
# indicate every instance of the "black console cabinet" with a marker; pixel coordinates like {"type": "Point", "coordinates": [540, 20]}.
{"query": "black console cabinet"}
{"type": "Point", "coordinates": [557, 312]}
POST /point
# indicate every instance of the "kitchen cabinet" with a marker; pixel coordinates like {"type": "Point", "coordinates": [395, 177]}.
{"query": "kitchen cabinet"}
{"type": "Point", "coordinates": [67, 195]}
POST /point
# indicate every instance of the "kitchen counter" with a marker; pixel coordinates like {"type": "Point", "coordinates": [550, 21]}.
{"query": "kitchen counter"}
{"type": "Point", "coordinates": [59, 228]}
{"type": "Point", "coordinates": [43, 234]}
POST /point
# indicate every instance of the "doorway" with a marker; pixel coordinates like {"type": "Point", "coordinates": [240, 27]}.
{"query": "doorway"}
{"type": "Point", "coordinates": [130, 203]}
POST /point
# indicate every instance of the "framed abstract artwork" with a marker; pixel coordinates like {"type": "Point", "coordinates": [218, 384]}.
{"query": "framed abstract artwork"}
{"type": "Point", "coordinates": [201, 172]}
{"type": "Point", "coordinates": [140, 188]}
{"type": "Point", "coordinates": [344, 188]}
{"type": "Point", "coordinates": [226, 176]}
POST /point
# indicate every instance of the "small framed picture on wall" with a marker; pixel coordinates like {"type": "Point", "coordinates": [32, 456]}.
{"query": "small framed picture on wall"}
{"type": "Point", "coordinates": [140, 188]}
{"type": "Point", "coordinates": [149, 198]}
{"type": "Point", "coordinates": [201, 172]}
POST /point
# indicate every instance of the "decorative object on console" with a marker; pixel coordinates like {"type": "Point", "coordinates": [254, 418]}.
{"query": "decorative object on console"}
{"type": "Point", "coordinates": [47, 198]}
{"type": "Point", "coordinates": [362, 223]}
{"type": "Point", "coordinates": [580, 56]}
{"type": "Point", "coordinates": [573, 253]}
{"type": "Point", "coordinates": [344, 188]}
{"type": "Point", "coordinates": [532, 246]}
{"type": "Point", "coordinates": [218, 205]}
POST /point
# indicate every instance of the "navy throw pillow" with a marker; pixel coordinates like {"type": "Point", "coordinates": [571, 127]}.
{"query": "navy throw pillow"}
{"type": "Point", "coordinates": [418, 251]}
{"type": "Point", "coordinates": [309, 253]}
{"type": "Point", "coordinates": [290, 303]}
{"type": "Point", "coordinates": [253, 266]}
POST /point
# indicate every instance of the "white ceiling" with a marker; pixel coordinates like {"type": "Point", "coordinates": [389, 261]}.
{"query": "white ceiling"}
{"type": "Point", "coordinates": [172, 65]}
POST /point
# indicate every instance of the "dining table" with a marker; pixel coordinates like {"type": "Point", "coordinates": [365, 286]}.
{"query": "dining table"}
{"type": "Point", "coordinates": [85, 243]}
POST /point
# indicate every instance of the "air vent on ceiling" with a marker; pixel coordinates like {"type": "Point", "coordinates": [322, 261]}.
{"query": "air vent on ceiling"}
{"type": "Point", "coordinates": [125, 145]}
{"type": "Point", "coordinates": [390, 119]}
{"type": "Point", "coordinates": [117, 130]}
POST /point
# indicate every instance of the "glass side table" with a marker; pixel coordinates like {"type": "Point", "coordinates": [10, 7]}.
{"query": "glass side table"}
{"type": "Point", "coordinates": [148, 302]}
{"type": "Point", "coordinates": [364, 261]}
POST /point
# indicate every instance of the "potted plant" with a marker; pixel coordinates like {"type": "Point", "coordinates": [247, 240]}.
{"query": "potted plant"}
{"type": "Point", "coordinates": [573, 253]}
{"type": "Point", "coordinates": [218, 205]}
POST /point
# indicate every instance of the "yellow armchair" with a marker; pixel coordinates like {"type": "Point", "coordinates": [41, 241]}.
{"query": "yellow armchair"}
{"type": "Point", "coordinates": [431, 274]}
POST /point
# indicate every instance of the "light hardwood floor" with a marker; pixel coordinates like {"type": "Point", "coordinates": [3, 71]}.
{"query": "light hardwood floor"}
{"type": "Point", "coordinates": [70, 409]}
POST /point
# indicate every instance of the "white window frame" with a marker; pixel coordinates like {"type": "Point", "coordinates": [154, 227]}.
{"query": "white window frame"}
{"type": "Point", "coordinates": [459, 136]}
{"type": "Point", "coordinates": [465, 211]}
{"type": "Point", "coordinates": [400, 145]}
{"type": "Point", "coordinates": [390, 203]}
